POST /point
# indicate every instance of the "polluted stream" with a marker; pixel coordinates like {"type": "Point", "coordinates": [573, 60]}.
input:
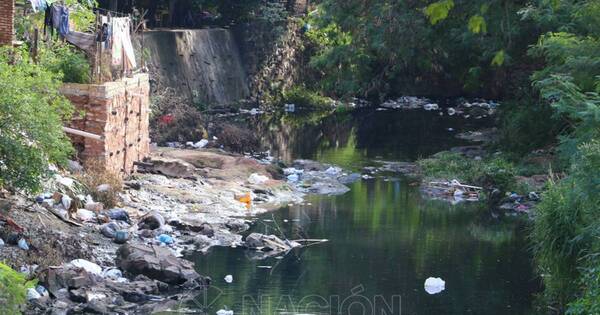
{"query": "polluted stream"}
{"type": "Point", "coordinates": [384, 238]}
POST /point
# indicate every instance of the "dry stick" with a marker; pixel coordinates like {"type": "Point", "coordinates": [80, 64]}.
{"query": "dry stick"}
{"type": "Point", "coordinates": [41, 222]}
{"type": "Point", "coordinates": [277, 226]}
{"type": "Point", "coordinates": [35, 45]}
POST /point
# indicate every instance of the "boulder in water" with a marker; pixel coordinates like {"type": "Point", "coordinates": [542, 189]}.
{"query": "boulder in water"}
{"type": "Point", "coordinates": [157, 263]}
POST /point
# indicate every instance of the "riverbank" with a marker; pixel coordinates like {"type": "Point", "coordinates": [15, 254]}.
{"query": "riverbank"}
{"type": "Point", "coordinates": [181, 201]}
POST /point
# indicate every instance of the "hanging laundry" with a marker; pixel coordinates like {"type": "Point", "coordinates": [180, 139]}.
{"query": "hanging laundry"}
{"type": "Point", "coordinates": [82, 40]}
{"type": "Point", "coordinates": [56, 14]}
{"type": "Point", "coordinates": [38, 5]}
{"type": "Point", "coordinates": [48, 20]}
{"type": "Point", "coordinates": [117, 43]}
{"type": "Point", "coordinates": [121, 42]}
{"type": "Point", "coordinates": [63, 28]}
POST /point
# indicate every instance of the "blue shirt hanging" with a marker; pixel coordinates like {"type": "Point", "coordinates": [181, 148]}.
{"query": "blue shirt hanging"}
{"type": "Point", "coordinates": [63, 26]}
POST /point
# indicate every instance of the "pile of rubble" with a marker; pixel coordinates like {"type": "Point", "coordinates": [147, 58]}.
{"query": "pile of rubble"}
{"type": "Point", "coordinates": [476, 109]}
{"type": "Point", "coordinates": [313, 177]}
{"type": "Point", "coordinates": [146, 279]}
{"type": "Point", "coordinates": [452, 191]}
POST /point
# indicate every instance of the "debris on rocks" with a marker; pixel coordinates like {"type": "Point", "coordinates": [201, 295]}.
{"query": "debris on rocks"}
{"type": "Point", "coordinates": [452, 191]}
{"type": "Point", "coordinates": [151, 221]}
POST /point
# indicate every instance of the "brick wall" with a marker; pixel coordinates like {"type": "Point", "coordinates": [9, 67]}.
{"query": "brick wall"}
{"type": "Point", "coordinates": [7, 12]}
{"type": "Point", "coordinates": [119, 112]}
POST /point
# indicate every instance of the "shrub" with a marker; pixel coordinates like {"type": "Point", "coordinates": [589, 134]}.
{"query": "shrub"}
{"type": "Point", "coordinates": [492, 172]}
{"type": "Point", "coordinates": [305, 98]}
{"type": "Point", "coordinates": [31, 118]}
{"type": "Point", "coordinates": [173, 119]}
{"type": "Point", "coordinates": [526, 126]}
{"type": "Point", "coordinates": [566, 235]}
{"type": "Point", "coordinates": [13, 290]}
{"type": "Point", "coordinates": [68, 61]}
{"type": "Point", "coordinates": [96, 174]}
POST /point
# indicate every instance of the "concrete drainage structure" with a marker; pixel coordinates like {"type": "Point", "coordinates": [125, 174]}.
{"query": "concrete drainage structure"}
{"type": "Point", "coordinates": [118, 113]}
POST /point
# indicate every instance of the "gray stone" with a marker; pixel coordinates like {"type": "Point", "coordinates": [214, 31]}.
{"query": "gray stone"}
{"type": "Point", "coordinates": [151, 221]}
{"type": "Point", "coordinates": [172, 167]}
{"type": "Point", "coordinates": [155, 262]}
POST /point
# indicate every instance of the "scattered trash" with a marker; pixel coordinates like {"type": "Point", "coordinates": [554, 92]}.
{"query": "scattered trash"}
{"type": "Point", "coordinates": [94, 206]}
{"type": "Point", "coordinates": [451, 111]}
{"type": "Point", "coordinates": [453, 190]}
{"type": "Point", "coordinates": [32, 294]}
{"type": "Point", "coordinates": [434, 285]}
{"type": "Point", "coordinates": [333, 170]}
{"type": "Point", "coordinates": [151, 221]}
{"type": "Point", "coordinates": [118, 214]}
{"type": "Point", "coordinates": [257, 179]}
{"type": "Point", "coordinates": [534, 196]}
{"type": "Point", "coordinates": [431, 106]}
{"type": "Point", "coordinates": [229, 278]}
{"type": "Point", "coordinates": [269, 243]}
{"type": "Point", "coordinates": [28, 270]}
{"type": "Point", "coordinates": [165, 239]}
{"type": "Point", "coordinates": [121, 237]}
{"type": "Point", "coordinates": [224, 312]}
{"type": "Point", "coordinates": [201, 144]}
{"type": "Point", "coordinates": [85, 215]}
{"type": "Point", "coordinates": [247, 199]}
{"type": "Point", "coordinates": [87, 266]}
{"type": "Point", "coordinates": [66, 201]}
{"type": "Point", "coordinates": [110, 229]}
{"type": "Point", "coordinates": [293, 177]}
{"type": "Point", "coordinates": [112, 273]}
{"type": "Point", "coordinates": [103, 188]}
{"type": "Point", "coordinates": [264, 267]}
{"type": "Point", "coordinates": [23, 244]}
{"type": "Point", "coordinates": [65, 181]}
{"type": "Point", "coordinates": [41, 290]}
{"type": "Point", "coordinates": [289, 108]}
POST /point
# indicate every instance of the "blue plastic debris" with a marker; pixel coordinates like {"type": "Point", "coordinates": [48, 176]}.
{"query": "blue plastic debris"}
{"type": "Point", "coordinates": [23, 244]}
{"type": "Point", "coordinates": [118, 214]}
{"type": "Point", "coordinates": [164, 238]}
{"type": "Point", "coordinates": [121, 237]}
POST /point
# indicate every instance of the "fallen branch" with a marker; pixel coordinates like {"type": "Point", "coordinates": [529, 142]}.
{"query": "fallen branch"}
{"type": "Point", "coordinates": [12, 223]}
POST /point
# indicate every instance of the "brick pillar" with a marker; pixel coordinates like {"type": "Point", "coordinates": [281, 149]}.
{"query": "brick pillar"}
{"type": "Point", "coordinates": [7, 13]}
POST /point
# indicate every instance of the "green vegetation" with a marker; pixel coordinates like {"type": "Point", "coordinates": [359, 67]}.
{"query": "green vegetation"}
{"type": "Point", "coordinates": [407, 47]}
{"type": "Point", "coordinates": [66, 61]}
{"type": "Point", "coordinates": [32, 110]}
{"type": "Point", "coordinates": [307, 99]}
{"type": "Point", "coordinates": [31, 114]}
{"type": "Point", "coordinates": [492, 172]}
{"type": "Point", "coordinates": [541, 57]}
{"type": "Point", "coordinates": [13, 290]}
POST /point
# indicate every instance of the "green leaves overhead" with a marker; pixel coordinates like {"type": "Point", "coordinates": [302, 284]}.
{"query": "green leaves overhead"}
{"type": "Point", "coordinates": [438, 11]}
{"type": "Point", "coordinates": [477, 24]}
{"type": "Point", "coordinates": [499, 58]}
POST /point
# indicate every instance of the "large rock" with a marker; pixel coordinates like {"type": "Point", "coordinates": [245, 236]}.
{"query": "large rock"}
{"type": "Point", "coordinates": [157, 263]}
{"type": "Point", "coordinates": [172, 167]}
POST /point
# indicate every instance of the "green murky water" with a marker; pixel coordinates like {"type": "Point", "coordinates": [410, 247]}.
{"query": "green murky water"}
{"type": "Point", "coordinates": [384, 238]}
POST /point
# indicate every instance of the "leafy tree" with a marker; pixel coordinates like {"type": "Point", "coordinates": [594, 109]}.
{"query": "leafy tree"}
{"type": "Point", "coordinates": [13, 286]}
{"type": "Point", "coordinates": [31, 117]}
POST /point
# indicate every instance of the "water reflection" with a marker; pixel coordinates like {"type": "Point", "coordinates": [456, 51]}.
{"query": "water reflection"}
{"type": "Point", "coordinates": [384, 241]}
{"type": "Point", "coordinates": [352, 138]}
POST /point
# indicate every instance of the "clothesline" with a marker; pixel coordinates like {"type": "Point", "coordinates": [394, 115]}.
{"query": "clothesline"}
{"type": "Point", "coordinates": [112, 13]}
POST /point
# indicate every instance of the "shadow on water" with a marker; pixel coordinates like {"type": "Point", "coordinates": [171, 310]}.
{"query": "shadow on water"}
{"type": "Point", "coordinates": [355, 137]}
{"type": "Point", "coordinates": [384, 238]}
